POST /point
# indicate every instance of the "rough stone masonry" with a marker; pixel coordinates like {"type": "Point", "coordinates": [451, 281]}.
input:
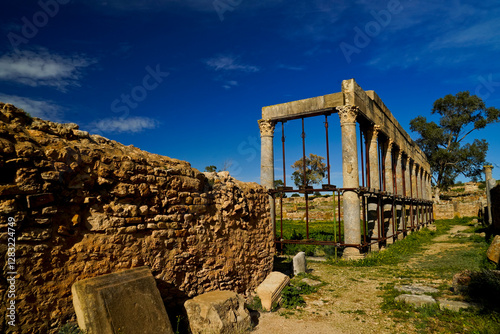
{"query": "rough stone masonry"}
{"type": "Point", "coordinates": [86, 206]}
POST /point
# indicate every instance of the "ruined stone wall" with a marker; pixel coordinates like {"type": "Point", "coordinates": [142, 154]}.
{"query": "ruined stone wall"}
{"type": "Point", "coordinates": [460, 204]}
{"type": "Point", "coordinates": [86, 206]}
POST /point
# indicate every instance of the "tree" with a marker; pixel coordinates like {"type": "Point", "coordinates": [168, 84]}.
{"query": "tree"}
{"type": "Point", "coordinates": [315, 170]}
{"type": "Point", "coordinates": [279, 183]}
{"type": "Point", "coordinates": [210, 169]}
{"type": "Point", "coordinates": [443, 143]}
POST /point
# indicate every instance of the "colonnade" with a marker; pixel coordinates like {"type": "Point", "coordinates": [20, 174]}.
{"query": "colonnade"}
{"type": "Point", "coordinates": [396, 185]}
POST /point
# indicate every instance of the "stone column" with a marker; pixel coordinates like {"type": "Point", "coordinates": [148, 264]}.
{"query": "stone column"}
{"type": "Point", "coordinates": [414, 192]}
{"type": "Point", "coordinates": [389, 188]}
{"type": "Point", "coordinates": [373, 228]}
{"type": "Point", "coordinates": [399, 189]}
{"type": "Point", "coordinates": [267, 162]}
{"type": "Point", "coordinates": [350, 174]}
{"type": "Point", "coordinates": [414, 181]}
{"type": "Point", "coordinates": [488, 177]}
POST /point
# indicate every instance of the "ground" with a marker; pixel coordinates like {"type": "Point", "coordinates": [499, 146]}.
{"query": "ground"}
{"type": "Point", "coordinates": [350, 301]}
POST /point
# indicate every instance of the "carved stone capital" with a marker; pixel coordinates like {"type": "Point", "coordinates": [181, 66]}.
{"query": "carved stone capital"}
{"type": "Point", "coordinates": [400, 155]}
{"type": "Point", "coordinates": [389, 145]}
{"type": "Point", "coordinates": [266, 128]}
{"type": "Point", "coordinates": [347, 114]}
{"type": "Point", "coordinates": [372, 133]}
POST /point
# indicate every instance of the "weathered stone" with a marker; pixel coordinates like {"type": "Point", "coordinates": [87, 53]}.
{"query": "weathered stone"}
{"type": "Point", "coordinates": [461, 281]}
{"type": "Point", "coordinates": [39, 199]}
{"type": "Point", "coordinates": [123, 302]}
{"type": "Point", "coordinates": [35, 234]}
{"type": "Point", "coordinates": [453, 305]}
{"type": "Point", "coordinates": [493, 252]}
{"type": "Point", "coordinates": [269, 291]}
{"type": "Point", "coordinates": [236, 257]}
{"type": "Point", "coordinates": [217, 312]}
{"type": "Point", "coordinates": [416, 300]}
{"type": "Point", "coordinates": [311, 282]}
{"type": "Point", "coordinates": [299, 263]}
{"type": "Point", "coordinates": [416, 289]}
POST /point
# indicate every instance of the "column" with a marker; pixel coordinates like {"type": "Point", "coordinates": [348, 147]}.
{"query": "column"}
{"type": "Point", "coordinates": [350, 170]}
{"type": "Point", "coordinates": [267, 162]}
{"type": "Point", "coordinates": [414, 193]}
{"type": "Point", "coordinates": [400, 191]}
{"type": "Point", "coordinates": [373, 202]}
{"type": "Point", "coordinates": [389, 188]}
{"type": "Point", "coordinates": [488, 177]}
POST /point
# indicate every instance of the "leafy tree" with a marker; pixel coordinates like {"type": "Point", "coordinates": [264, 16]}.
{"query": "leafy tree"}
{"type": "Point", "coordinates": [315, 171]}
{"type": "Point", "coordinates": [279, 183]}
{"type": "Point", "coordinates": [443, 143]}
{"type": "Point", "coordinates": [210, 169]}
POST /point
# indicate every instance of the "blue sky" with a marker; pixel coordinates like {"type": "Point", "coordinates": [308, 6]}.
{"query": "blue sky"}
{"type": "Point", "coordinates": [188, 78]}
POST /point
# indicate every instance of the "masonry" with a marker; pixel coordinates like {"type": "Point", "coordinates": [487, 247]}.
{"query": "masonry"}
{"type": "Point", "coordinates": [87, 206]}
{"type": "Point", "coordinates": [397, 171]}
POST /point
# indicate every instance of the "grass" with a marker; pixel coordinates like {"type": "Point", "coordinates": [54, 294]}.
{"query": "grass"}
{"type": "Point", "coordinates": [484, 288]}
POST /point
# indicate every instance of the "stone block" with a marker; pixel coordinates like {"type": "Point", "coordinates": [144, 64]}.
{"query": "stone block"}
{"type": "Point", "coordinates": [269, 291]}
{"type": "Point", "coordinates": [493, 252]}
{"type": "Point", "coordinates": [453, 305]}
{"type": "Point", "coordinates": [416, 289]}
{"type": "Point", "coordinates": [416, 300]}
{"type": "Point", "coordinates": [217, 312]}
{"type": "Point", "coordinates": [299, 263]}
{"type": "Point", "coordinates": [126, 302]}
{"type": "Point", "coordinates": [39, 200]}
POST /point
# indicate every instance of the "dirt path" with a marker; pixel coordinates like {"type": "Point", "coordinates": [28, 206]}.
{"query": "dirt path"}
{"type": "Point", "coordinates": [350, 301]}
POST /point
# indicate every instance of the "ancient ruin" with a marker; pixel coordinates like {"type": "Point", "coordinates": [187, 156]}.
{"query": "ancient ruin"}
{"type": "Point", "coordinates": [82, 206]}
{"type": "Point", "coordinates": [396, 197]}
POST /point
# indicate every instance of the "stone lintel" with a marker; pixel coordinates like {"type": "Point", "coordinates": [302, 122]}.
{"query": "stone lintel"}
{"type": "Point", "coordinates": [370, 107]}
{"type": "Point", "coordinates": [303, 108]}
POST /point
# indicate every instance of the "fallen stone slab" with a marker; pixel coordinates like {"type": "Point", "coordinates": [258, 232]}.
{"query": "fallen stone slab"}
{"type": "Point", "coordinates": [416, 289]}
{"type": "Point", "coordinates": [311, 282]}
{"type": "Point", "coordinates": [269, 291]}
{"type": "Point", "coordinates": [493, 252]}
{"type": "Point", "coordinates": [453, 305]}
{"type": "Point", "coordinates": [299, 263]}
{"type": "Point", "coordinates": [416, 300]}
{"type": "Point", "coordinates": [217, 312]}
{"type": "Point", "coordinates": [126, 302]}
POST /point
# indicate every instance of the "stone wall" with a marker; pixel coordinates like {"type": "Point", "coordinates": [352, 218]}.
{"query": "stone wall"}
{"type": "Point", "coordinates": [461, 204]}
{"type": "Point", "coordinates": [86, 206]}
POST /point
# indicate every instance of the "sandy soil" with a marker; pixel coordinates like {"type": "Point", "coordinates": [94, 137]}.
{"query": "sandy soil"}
{"type": "Point", "coordinates": [350, 301]}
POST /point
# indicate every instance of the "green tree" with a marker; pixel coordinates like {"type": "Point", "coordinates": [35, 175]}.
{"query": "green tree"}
{"type": "Point", "coordinates": [315, 170]}
{"type": "Point", "coordinates": [443, 143]}
{"type": "Point", "coordinates": [279, 183]}
{"type": "Point", "coordinates": [210, 169]}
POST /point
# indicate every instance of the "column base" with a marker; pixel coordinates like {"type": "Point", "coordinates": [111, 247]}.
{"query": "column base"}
{"type": "Point", "coordinates": [351, 253]}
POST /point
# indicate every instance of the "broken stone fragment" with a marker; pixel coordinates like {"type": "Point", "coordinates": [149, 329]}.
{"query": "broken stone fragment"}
{"type": "Point", "coordinates": [270, 290]}
{"type": "Point", "coordinates": [217, 312]}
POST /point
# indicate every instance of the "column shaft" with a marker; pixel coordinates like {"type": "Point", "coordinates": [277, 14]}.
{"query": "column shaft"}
{"type": "Point", "coordinates": [352, 227]}
{"type": "Point", "coordinates": [267, 163]}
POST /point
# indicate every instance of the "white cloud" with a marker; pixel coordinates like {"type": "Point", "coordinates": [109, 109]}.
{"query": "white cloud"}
{"type": "Point", "coordinates": [230, 84]}
{"type": "Point", "coordinates": [42, 68]}
{"type": "Point", "coordinates": [36, 108]}
{"type": "Point", "coordinates": [119, 125]}
{"type": "Point", "coordinates": [229, 63]}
